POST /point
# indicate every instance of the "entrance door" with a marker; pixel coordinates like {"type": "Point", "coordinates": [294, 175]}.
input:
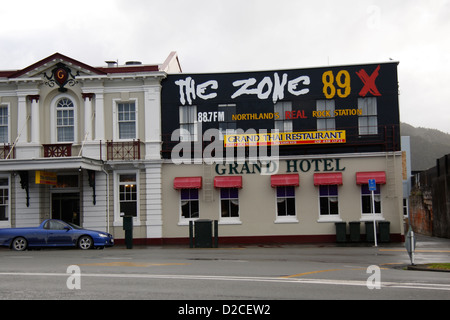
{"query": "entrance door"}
{"type": "Point", "coordinates": [66, 207]}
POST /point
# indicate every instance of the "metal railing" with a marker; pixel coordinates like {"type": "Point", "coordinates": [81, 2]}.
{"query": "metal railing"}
{"type": "Point", "coordinates": [123, 150]}
{"type": "Point", "coordinates": [57, 150]}
{"type": "Point", "coordinates": [7, 152]}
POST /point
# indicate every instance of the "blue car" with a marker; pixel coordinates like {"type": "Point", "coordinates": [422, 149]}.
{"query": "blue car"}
{"type": "Point", "coordinates": [54, 233]}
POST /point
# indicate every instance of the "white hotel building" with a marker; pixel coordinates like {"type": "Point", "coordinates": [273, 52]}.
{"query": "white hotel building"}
{"type": "Point", "coordinates": [82, 144]}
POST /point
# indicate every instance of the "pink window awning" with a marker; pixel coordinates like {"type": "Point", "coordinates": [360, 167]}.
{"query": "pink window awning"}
{"type": "Point", "coordinates": [321, 179]}
{"type": "Point", "coordinates": [288, 180]}
{"type": "Point", "coordinates": [363, 177]}
{"type": "Point", "coordinates": [187, 183]}
{"type": "Point", "coordinates": [228, 182]}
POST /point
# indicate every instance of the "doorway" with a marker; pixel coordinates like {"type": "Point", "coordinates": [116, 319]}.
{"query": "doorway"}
{"type": "Point", "coordinates": [66, 207]}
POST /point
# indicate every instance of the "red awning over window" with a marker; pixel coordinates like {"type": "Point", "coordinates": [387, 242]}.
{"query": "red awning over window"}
{"type": "Point", "coordinates": [228, 182]}
{"type": "Point", "coordinates": [279, 180]}
{"type": "Point", "coordinates": [363, 177]}
{"type": "Point", "coordinates": [187, 183]}
{"type": "Point", "coordinates": [321, 179]}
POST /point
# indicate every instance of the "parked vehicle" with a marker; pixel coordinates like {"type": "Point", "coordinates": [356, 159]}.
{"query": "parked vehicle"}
{"type": "Point", "coordinates": [54, 233]}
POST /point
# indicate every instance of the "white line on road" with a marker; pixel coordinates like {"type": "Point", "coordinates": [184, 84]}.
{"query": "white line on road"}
{"type": "Point", "coordinates": [399, 285]}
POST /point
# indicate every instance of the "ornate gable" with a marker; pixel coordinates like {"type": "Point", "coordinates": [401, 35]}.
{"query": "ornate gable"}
{"type": "Point", "coordinates": [56, 70]}
{"type": "Point", "coordinates": [46, 65]}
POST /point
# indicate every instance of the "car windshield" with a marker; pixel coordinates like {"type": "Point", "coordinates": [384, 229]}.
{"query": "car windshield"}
{"type": "Point", "coordinates": [73, 225]}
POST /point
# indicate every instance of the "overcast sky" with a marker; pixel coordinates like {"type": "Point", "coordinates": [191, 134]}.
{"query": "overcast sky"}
{"type": "Point", "coordinates": [245, 35]}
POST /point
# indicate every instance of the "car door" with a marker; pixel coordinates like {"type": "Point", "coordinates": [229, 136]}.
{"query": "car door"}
{"type": "Point", "coordinates": [59, 233]}
{"type": "Point", "coordinates": [37, 237]}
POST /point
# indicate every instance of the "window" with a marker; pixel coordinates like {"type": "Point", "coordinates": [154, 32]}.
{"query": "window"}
{"type": "Point", "coordinates": [282, 124]}
{"type": "Point", "coordinates": [66, 181]}
{"type": "Point", "coordinates": [55, 225]}
{"type": "Point", "coordinates": [128, 194]}
{"type": "Point", "coordinates": [126, 117]}
{"type": "Point", "coordinates": [229, 202]}
{"type": "Point", "coordinates": [189, 203]}
{"type": "Point", "coordinates": [285, 201]}
{"type": "Point", "coordinates": [228, 125]}
{"type": "Point", "coordinates": [325, 115]}
{"type": "Point", "coordinates": [188, 123]}
{"type": "Point", "coordinates": [4, 138]}
{"type": "Point", "coordinates": [65, 120]}
{"type": "Point", "coordinates": [368, 121]}
{"type": "Point", "coordinates": [4, 199]}
{"type": "Point", "coordinates": [328, 198]}
{"type": "Point", "coordinates": [405, 207]}
{"type": "Point", "coordinates": [366, 199]}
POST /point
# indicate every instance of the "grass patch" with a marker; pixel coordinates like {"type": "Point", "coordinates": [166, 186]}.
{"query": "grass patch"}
{"type": "Point", "coordinates": [440, 266]}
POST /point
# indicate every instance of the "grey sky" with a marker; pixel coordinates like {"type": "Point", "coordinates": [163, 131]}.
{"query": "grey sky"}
{"type": "Point", "coordinates": [243, 35]}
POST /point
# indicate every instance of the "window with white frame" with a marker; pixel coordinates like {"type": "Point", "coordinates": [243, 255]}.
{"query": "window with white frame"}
{"type": "Point", "coordinates": [328, 201]}
{"type": "Point", "coordinates": [65, 120]}
{"type": "Point", "coordinates": [128, 195]}
{"type": "Point", "coordinates": [368, 120]}
{"type": "Point", "coordinates": [229, 202]}
{"type": "Point", "coordinates": [325, 119]}
{"type": "Point", "coordinates": [405, 207]}
{"type": "Point", "coordinates": [126, 119]}
{"type": "Point", "coordinates": [4, 123]}
{"type": "Point", "coordinates": [4, 199]}
{"type": "Point", "coordinates": [188, 123]}
{"type": "Point", "coordinates": [366, 199]}
{"type": "Point", "coordinates": [285, 201]}
{"type": "Point", "coordinates": [282, 124]}
{"type": "Point", "coordinates": [189, 203]}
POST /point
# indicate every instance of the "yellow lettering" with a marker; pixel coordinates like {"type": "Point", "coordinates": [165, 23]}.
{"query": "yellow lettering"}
{"type": "Point", "coordinates": [60, 74]}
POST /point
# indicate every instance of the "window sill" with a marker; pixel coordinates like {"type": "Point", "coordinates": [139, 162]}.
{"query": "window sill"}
{"type": "Point", "coordinates": [291, 219]}
{"type": "Point", "coordinates": [230, 221]}
{"type": "Point", "coordinates": [185, 222]}
{"type": "Point", "coordinates": [329, 219]}
{"type": "Point", "coordinates": [370, 217]}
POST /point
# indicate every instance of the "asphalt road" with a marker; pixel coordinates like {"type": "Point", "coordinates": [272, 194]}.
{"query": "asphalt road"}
{"type": "Point", "coordinates": [227, 274]}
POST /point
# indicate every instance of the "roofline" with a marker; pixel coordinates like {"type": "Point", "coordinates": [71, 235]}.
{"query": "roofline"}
{"type": "Point", "coordinates": [128, 69]}
{"type": "Point", "coordinates": [290, 69]}
{"type": "Point", "coordinates": [172, 56]}
{"type": "Point", "coordinates": [99, 71]}
{"type": "Point", "coordinates": [51, 58]}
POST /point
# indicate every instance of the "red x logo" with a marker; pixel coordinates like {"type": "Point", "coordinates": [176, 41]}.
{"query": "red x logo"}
{"type": "Point", "coordinates": [369, 82]}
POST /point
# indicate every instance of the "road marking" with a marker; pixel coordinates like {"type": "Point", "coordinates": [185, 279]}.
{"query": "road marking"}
{"type": "Point", "coordinates": [308, 273]}
{"type": "Point", "coordinates": [398, 285]}
{"type": "Point", "coordinates": [320, 271]}
{"type": "Point", "coordinates": [420, 250]}
{"type": "Point", "coordinates": [132, 264]}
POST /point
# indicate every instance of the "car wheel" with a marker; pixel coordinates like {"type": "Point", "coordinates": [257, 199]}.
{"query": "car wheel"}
{"type": "Point", "coordinates": [19, 244]}
{"type": "Point", "coordinates": [85, 243]}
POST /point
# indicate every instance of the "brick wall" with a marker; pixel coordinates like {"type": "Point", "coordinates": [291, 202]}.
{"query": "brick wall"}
{"type": "Point", "coordinates": [430, 200]}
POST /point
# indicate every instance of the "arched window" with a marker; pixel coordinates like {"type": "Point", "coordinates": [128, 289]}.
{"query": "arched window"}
{"type": "Point", "coordinates": [65, 120]}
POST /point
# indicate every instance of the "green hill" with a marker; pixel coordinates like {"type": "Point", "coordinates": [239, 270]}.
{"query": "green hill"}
{"type": "Point", "coordinates": [427, 145]}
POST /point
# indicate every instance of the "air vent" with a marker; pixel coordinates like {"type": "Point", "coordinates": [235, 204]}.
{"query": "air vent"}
{"type": "Point", "coordinates": [133, 63]}
{"type": "Point", "coordinates": [112, 64]}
